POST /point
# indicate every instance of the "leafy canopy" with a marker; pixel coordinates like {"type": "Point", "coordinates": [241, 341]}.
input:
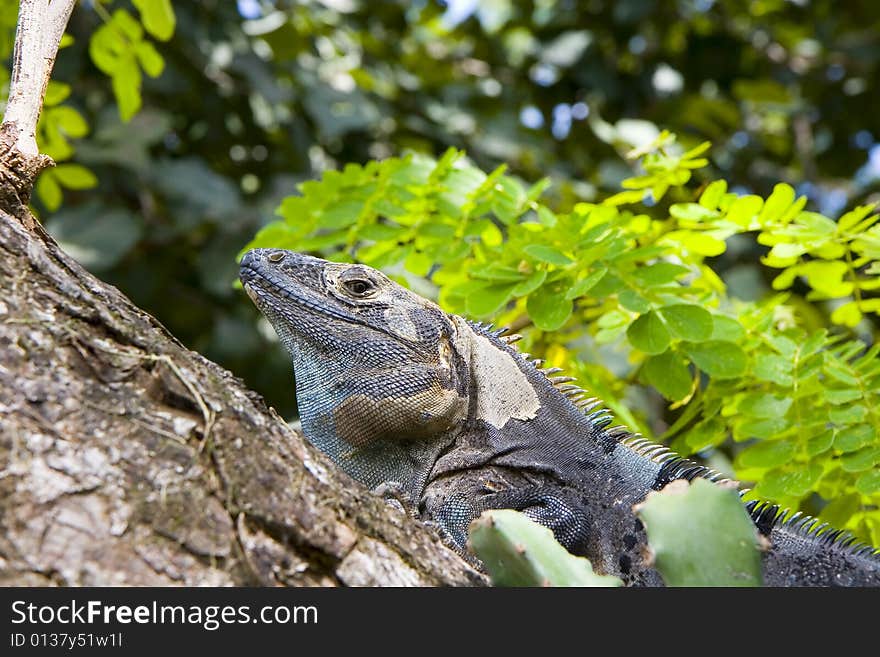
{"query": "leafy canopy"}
{"type": "Point", "coordinates": [632, 276]}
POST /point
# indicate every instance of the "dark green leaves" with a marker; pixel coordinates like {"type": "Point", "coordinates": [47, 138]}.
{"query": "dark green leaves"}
{"type": "Point", "coordinates": [649, 333]}
{"type": "Point", "coordinates": [721, 360]}
{"type": "Point", "coordinates": [688, 322]}
{"type": "Point", "coordinates": [668, 372]}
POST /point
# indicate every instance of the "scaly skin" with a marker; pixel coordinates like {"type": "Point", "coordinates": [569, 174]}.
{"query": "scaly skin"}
{"type": "Point", "coordinates": [450, 418]}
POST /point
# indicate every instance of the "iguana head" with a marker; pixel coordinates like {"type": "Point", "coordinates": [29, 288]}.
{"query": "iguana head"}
{"type": "Point", "coordinates": [373, 361]}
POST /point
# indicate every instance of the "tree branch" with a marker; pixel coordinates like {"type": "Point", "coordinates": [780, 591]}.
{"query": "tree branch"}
{"type": "Point", "coordinates": [41, 24]}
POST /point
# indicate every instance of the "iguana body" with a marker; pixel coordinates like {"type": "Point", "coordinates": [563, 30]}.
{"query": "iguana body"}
{"type": "Point", "coordinates": [406, 397]}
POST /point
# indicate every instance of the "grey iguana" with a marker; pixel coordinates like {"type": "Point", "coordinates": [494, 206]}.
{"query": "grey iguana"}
{"type": "Point", "coordinates": [450, 417]}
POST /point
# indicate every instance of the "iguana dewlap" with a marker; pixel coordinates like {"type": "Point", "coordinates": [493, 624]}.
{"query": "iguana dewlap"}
{"type": "Point", "coordinates": [404, 396]}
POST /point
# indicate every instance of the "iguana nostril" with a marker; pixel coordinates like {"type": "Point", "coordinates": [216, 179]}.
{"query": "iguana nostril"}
{"type": "Point", "coordinates": [276, 256]}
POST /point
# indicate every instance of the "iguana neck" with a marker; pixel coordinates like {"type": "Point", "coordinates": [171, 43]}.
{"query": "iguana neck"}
{"type": "Point", "coordinates": [325, 389]}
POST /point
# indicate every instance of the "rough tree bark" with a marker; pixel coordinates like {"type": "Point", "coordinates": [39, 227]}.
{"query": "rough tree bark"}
{"type": "Point", "coordinates": [127, 459]}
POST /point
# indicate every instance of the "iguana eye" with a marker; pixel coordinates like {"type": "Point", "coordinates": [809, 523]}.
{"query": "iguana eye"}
{"type": "Point", "coordinates": [358, 287]}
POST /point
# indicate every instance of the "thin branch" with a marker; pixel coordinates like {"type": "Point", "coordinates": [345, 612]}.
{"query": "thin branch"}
{"type": "Point", "coordinates": [41, 24]}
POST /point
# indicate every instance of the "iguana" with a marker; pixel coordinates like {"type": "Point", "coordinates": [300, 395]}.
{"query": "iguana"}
{"type": "Point", "coordinates": [449, 417]}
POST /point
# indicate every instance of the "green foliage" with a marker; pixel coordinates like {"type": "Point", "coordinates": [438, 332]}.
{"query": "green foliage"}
{"type": "Point", "coordinates": [701, 535]}
{"type": "Point", "coordinates": [119, 50]}
{"type": "Point", "coordinates": [517, 551]}
{"type": "Point", "coordinates": [794, 403]}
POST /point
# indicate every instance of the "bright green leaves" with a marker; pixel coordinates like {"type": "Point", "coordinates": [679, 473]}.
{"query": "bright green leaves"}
{"type": "Point", "coordinates": [701, 535]}
{"type": "Point", "coordinates": [71, 176]}
{"type": "Point", "coordinates": [118, 48]}
{"type": "Point", "coordinates": [713, 194]}
{"type": "Point", "coordinates": [663, 168]}
{"type": "Point", "coordinates": [59, 124]}
{"type": "Point", "coordinates": [157, 17]}
{"type": "Point", "coordinates": [654, 331]}
{"type": "Point", "coordinates": [778, 203]}
{"type": "Point", "coordinates": [744, 210]}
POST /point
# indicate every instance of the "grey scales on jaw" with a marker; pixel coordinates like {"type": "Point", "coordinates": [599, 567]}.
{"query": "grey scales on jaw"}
{"type": "Point", "coordinates": [449, 417]}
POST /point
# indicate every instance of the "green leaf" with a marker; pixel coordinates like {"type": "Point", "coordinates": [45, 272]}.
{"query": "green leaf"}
{"type": "Point", "coordinates": [495, 271]}
{"type": "Point", "coordinates": [701, 535]}
{"type": "Point", "coordinates": [488, 299]}
{"type": "Point", "coordinates": [699, 243]}
{"type": "Point", "coordinates": [848, 414]}
{"type": "Point", "coordinates": [720, 360]}
{"type": "Point", "coordinates": [668, 372]}
{"type": "Point", "coordinates": [56, 92]}
{"type": "Point", "coordinates": [773, 368]}
{"type": "Point", "coordinates": [547, 254]}
{"type": "Point", "coordinates": [820, 444]}
{"type": "Point", "coordinates": [649, 334]}
{"type": "Point", "coordinates": [869, 483]}
{"type": "Point", "coordinates": [532, 283]}
{"type": "Point", "coordinates": [75, 176]}
{"type": "Point", "coordinates": [759, 404]}
{"type": "Point", "coordinates": [151, 61]}
{"type": "Point", "coordinates": [847, 314]}
{"type": "Point", "coordinates": [419, 263]}
{"type": "Point", "coordinates": [340, 214]}
{"type": "Point", "coordinates": [659, 273]}
{"type": "Point", "coordinates": [633, 301]}
{"type": "Point", "coordinates": [688, 322]}
{"type": "Point", "coordinates": [546, 216]}
{"type": "Point", "coordinates": [744, 209]}
{"type": "Point", "coordinates": [865, 458]}
{"type": "Point", "coordinates": [792, 483]}
{"type": "Point", "coordinates": [852, 438]}
{"type": "Point", "coordinates": [584, 285]}
{"type": "Point", "coordinates": [126, 82]}
{"type": "Point", "coordinates": [766, 454]}
{"type": "Point", "coordinates": [777, 203]}
{"type": "Point", "coordinates": [49, 190]}
{"type": "Point", "coordinates": [726, 329]}
{"type": "Point", "coordinates": [70, 121]}
{"type": "Point", "coordinates": [764, 428]}
{"type": "Point", "coordinates": [692, 212]}
{"type": "Point", "coordinates": [712, 195]}
{"type": "Point", "coordinates": [548, 308]}
{"type": "Point", "coordinates": [157, 16]}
